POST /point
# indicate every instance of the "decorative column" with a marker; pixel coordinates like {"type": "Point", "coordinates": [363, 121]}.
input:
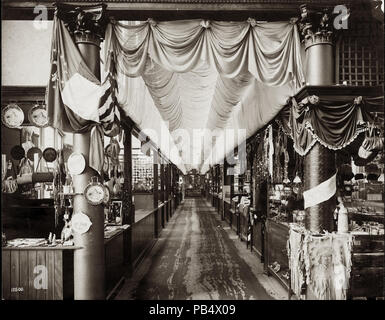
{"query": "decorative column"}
{"type": "Point", "coordinates": [162, 195]}
{"type": "Point", "coordinates": [128, 208]}
{"type": "Point", "coordinates": [127, 204]}
{"type": "Point", "coordinates": [156, 191]}
{"type": "Point", "coordinates": [167, 189]}
{"type": "Point", "coordinates": [319, 164]}
{"type": "Point", "coordinates": [228, 185]}
{"type": "Point", "coordinates": [217, 183]}
{"type": "Point", "coordinates": [156, 179]}
{"type": "Point", "coordinates": [87, 26]}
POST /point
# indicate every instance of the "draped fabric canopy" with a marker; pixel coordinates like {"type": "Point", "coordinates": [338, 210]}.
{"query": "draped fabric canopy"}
{"type": "Point", "coordinates": [335, 124]}
{"type": "Point", "coordinates": [197, 74]}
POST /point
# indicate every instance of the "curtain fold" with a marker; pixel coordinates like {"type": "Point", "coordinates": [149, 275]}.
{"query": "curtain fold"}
{"type": "Point", "coordinates": [335, 124]}
{"type": "Point", "coordinates": [269, 51]}
{"type": "Point", "coordinates": [206, 74]}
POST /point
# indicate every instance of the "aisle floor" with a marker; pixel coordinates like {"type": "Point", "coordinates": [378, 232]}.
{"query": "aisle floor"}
{"type": "Point", "coordinates": [199, 257]}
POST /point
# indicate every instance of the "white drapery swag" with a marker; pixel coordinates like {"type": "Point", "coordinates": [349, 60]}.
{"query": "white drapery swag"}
{"type": "Point", "coordinates": [204, 74]}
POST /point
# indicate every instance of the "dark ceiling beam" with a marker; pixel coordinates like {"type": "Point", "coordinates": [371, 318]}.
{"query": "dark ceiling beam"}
{"type": "Point", "coordinates": [265, 10]}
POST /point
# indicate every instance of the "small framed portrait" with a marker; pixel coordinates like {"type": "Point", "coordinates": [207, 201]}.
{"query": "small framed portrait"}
{"type": "Point", "coordinates": [116, 212]}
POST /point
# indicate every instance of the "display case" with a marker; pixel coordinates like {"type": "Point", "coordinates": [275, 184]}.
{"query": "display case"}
{"type": "Point", "coordinates": [142, 172]}
{"type": "Point", "coordinates": [284, 205]}
{"type": "Point", "coordinates": [362, 192]}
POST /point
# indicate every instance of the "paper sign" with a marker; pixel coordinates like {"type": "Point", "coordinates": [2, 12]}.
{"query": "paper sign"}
{"type": "Point", "coordinates": [80, 222]}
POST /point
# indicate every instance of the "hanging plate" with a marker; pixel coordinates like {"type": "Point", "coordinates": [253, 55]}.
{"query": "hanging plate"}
{"type": "Point", "coordinates": [17, 153]}
{"type": "Point", "coordinates": [95, 192]}
{"type": "Point", "coordinates": [38, 116]}
{"type": "Point", "coordinates": [49, 154]}
{"type": "Point", "coordinates": [32, 151]}
{"type": "Point", "coordinates": [76, 163]}
{"type": "Point", "coordinates": [12, 116]}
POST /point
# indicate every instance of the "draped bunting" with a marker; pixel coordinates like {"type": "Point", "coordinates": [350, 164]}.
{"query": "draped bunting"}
{"type": "Point", "coordinates": [206, 74]}
{"type": "Point", "coordinates": [335, 124]}
{"type": "Point", "coordinates": [269, 51]}
{"type": "Point", "coordinates": [76, 100]}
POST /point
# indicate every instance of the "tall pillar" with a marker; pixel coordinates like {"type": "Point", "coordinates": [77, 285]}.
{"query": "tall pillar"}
{"type": "Point", "coordinates": [156, 181]}
{"type": "Point", "coordinates": [127, 204]}
{"type": "Point", "coordinates": [89, 261]}
{"type": "Point", "coordinates": [217, 183]}
{"type": "Point", "coordinates": [228, 184]}
{"type": "Point", "coordinates": [319, 163]}
{"type": "Point", "coordinates": [156, 191]}
{"type": "Point", "coordinates": [167, 189]}
{"type": "Point", "coordinates": [128, 208]}
{"type": "Point", "coordinates": [162, 191]}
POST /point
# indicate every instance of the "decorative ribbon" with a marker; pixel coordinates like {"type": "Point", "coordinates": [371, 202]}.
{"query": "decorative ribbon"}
{"type": "Point", "coordinates": [321, 193]}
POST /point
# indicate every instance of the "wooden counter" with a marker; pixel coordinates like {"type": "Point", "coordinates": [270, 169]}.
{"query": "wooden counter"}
{"type": "Point", "coordinates": [37, 273]}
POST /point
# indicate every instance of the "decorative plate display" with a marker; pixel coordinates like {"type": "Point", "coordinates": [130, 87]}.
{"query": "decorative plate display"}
{"type": "Point", "coordinates": [31, 152]}
{"type": "Point", "coordinates": [95, 192]}
{"type": "Point", "coordinates": [107, 195]}
{"type": "Point", "coordinates": [17, 153]}
{"type": "Point", "coordinates": [80, 222]}
{"type": "Point", "coordinates": [38, 116]}
{"type": "Point", "coordinates": [49, 154]}
{"type": "Point", "coordinates": [12, 116]}
{"type": "Point", "coordinates": [76, 163]}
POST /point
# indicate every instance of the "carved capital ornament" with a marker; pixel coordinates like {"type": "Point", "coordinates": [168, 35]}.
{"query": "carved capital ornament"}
{"type": "Point", "coordinates": [316, 26]}
{"type": "Point", "coordinates": [87, 23]}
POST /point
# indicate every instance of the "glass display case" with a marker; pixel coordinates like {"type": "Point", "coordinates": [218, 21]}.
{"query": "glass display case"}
{"type": "Point", "coordinates": [142, 172]}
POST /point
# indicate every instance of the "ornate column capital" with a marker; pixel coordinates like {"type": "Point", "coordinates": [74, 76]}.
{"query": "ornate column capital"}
{"type": "Point", "coordinates": [316, 25]}
{"type": "Point", "coordinates": [86, 23]}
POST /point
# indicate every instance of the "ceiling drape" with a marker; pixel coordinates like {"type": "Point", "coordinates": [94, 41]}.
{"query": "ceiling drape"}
{"type": "Point", "coordinates": [205, 74]}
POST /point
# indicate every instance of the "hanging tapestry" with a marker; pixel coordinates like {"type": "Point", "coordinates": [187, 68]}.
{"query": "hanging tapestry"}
{"type": "Point", "coordinates": [322, 262]}
{"type": "Point", "coordinates": [296, 259]}
{"type": "Point", "coordinates": [328, 265]}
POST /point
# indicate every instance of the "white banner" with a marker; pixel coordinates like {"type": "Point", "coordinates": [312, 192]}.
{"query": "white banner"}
{"type": "Point", "coordinates": [320, 193]}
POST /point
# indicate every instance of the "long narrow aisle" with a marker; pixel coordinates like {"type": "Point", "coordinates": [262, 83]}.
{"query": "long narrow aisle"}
{"type": "Point", "coordinates": [194, 259]}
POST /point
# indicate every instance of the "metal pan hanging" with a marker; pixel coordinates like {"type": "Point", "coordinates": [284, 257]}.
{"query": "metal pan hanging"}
{"type": "Point", "coordinates": [49, 154]}
{"type": "Point", "coordinates": [17, 153]}
{"type": "Point", "coordinates": [32, 151]}
{"type": "Point", "coordinates": [37, 115]}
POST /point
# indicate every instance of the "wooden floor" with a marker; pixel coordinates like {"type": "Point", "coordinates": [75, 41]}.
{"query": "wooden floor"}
{"type": "Point", "coordinates": [195, 258]}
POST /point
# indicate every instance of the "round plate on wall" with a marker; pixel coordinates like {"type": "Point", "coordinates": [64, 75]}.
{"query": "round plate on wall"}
{"type": "Point", "coordinates": [76, 163]}
{"type": "Point", "coordinates": [32, 151]}
{"type": "Point", "coordinates": [38, 116]}
{"type": "Point", "coordinates": [12, 116]}
{"type": "Point", "coordinates": [17, 153]}
{"type": "Point", "coordinates": [49, 154]}
{"type": "Point", "coordinates": [95, 192]}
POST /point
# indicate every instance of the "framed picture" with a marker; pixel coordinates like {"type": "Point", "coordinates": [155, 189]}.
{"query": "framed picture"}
{"type": "Point", "coordinates": [115, 212]}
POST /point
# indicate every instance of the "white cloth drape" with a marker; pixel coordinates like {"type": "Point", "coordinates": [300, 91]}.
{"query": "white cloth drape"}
{"type": "Point", "coordinates": [205, 74]}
